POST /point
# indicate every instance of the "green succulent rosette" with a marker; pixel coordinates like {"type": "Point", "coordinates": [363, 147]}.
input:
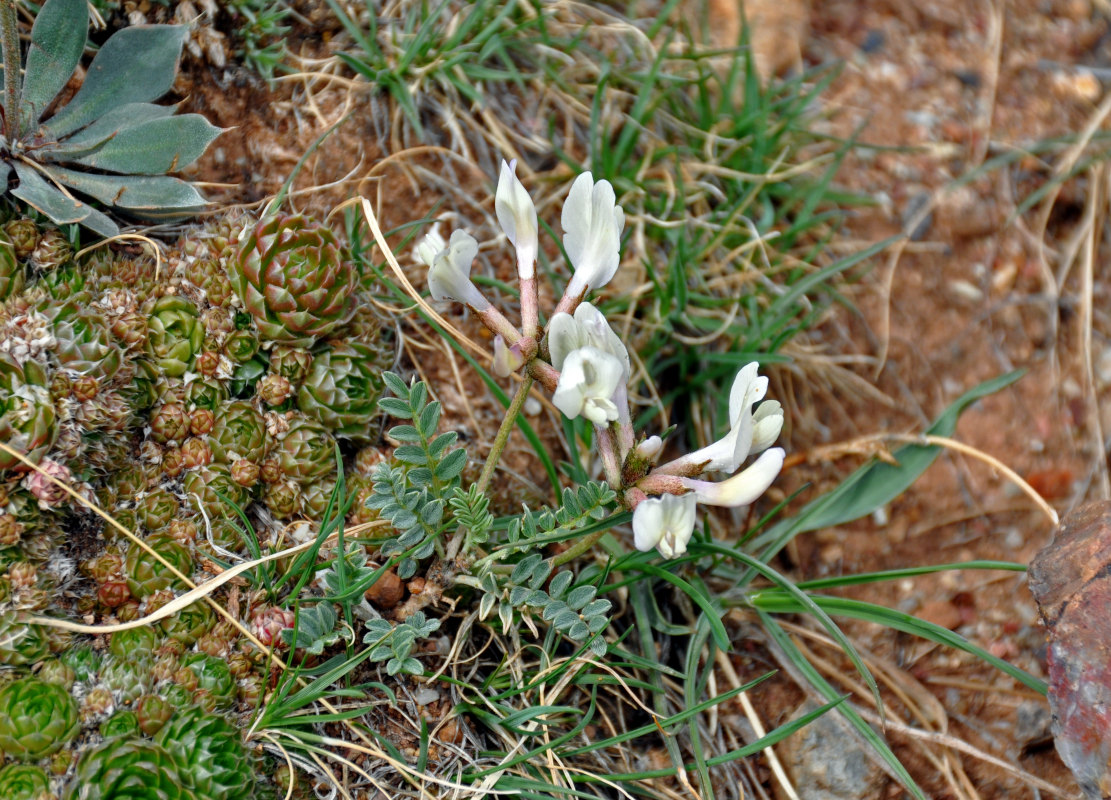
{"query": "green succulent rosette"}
{"type": "Point", "coordinates": [189, 624]}
{"type": "Point", "coordinates": [85, 345]}
{"type": "Point", "coordinates": [128, 677]}
{"type": "Point", "coordinates": [27, 414]}
{"type": "Point", "coordinates": [156, 508]}
{"type": "Point", "coordinates": [240, 432]}
{"type": "Point", "coordinates": [21, 643]}
{"type": "Point", "coordinates": [342, 390]}
{"type": "Point", "coordinates": [146, 575]}
{"type": "Point", "coordinates": [133, 642]}
{"type": "Point", "coordinates": [83, 660]}
{"type": "Point", "coordinates": [36, 719]}
{"type": "Point", "coordinates": [212, 752]}
{"type": "Point", "coordinates": [12, 276]}
{"type": "Point", "coordinates": [213, 676]}
{"type": "Point", "coordinates": [294, 278]}
{"type": "Point", "coordinates": [130, 769]}
{"type": "Point", "coordinates": [205, 485]}
{"type": "Point", "coordinates": [23, 782]}
{"type": "Point", "coordinates": [122, 723]}
{"type": "Point", "coordinates": [307, 452]}
{"type": "Point", "coordinates": [175, 335]}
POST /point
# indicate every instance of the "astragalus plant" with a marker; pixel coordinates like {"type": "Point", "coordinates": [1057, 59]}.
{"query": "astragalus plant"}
{"type": "Point", "coordinates": [109, 141]}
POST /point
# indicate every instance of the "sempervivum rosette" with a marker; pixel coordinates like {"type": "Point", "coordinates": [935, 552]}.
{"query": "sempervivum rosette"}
{"type": "Point", "coordinates": [294, 278]}
{"type": "Point", "coordinates": [129, 769]}
{"type": "Point", "coordinates": [27, 416]}
{"type": "Point", "coordinates": [36, 719]}
{"type": "Point", "coordinates": [239, 432]}
{"type": "Point", "coordinates": [342, 390]}
{"type": "Point", "coordinates": [307, 452]}
{"type": "Point", "coordinates": [211, 752]}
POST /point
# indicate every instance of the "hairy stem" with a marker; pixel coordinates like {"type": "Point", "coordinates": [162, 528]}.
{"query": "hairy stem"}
{"type": "Point", "coordinates": [9, 39]}
{"type": "Point", "coordinates": [496, 449]}
{"type": "Point", "coordinates": [578, 548]}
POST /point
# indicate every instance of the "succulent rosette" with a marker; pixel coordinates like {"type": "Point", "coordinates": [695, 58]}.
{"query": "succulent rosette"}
{"type": "Point", "coordinates": [205, 485]}
{"type": "Point", "coordinates": [342, 390]}
{"type": "Point", "coordinates": [36, 719]}
{"type": "Point", "coordinates": [239, 433]}
{"type": "Point", "coordinates": [20, 642]}
{"type": "Point", "coordinates": [213, 676]}
{"type": "Point", "coordinates": [133, 642]}
{"type": "Point", "coordinates": [128, 677]}
{"type": "Point", "coordinates": [27, 414]}
{"type": "Point", "coordinates": [212, 753]}
{"type": "Point", "coordinates": [146, 574]}
{"type": "Point", "coordinates": [130, 769]}
{"type": "Point", "coordinates": [294, 278]}
{"type": "Point", "coordinates": [189, 624]}
{"type": "Point", "coordinates": [175, 335]}
{"type": "Point", "coordinates": [307, 453]}
{"type": "Point", "coordinates": [23, 782]}
{"type": "Point", "coordinates": [12, 276]}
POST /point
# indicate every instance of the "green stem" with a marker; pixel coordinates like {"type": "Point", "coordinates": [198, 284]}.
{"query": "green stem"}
{"type": "Point", "coordinates": [9, 39]}
{"type": "Point", "coordinates": [577, 549]}
{"type": "Point", "coordinates": [459, 540]}
{"type": "Point", "coordinates": [503, 433]}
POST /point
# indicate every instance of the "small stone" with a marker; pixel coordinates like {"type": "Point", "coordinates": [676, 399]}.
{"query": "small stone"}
{"type": "Point", "coordinates": [387, 591]}
{"type": "Point", "coordinates": [827, 762]}
{"type": "Point", "coordinates": [940, 612]}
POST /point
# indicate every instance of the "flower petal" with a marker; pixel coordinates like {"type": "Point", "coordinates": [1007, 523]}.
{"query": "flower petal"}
{"type": "Point", "coordinates": [744, 487]}
{"type": "Point", "coordinates": [517, 217]}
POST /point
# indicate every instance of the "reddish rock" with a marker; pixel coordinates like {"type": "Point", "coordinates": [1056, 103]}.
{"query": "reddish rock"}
{"type": "Point", "coordinates": [1071, 582]}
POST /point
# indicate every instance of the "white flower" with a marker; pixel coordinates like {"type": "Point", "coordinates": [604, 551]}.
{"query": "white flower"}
{"type": "Point", "coordinates": [587, 328]}
{"type": "Point", "coordinates": [748, 433]}
{"type": "Point", "coordinates": [664, 522]}
{"type": "Point", "coordinates": [587, 384]}
{"type": "Point", "coordinates": [744, 487]}
{"type": "Point", "coordinates": [767, 423]}
{"type": "Point", "coordinates": [592, 225]}
{"type": "Point", "coordinates": [430, 246]}
{"type": "Point", "coordinates": [449, 269]}
{"type": "Point", "coordinates": [517, 217]}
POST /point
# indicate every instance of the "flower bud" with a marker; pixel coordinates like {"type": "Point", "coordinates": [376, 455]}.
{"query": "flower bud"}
{"type": "Point", "coordinates": [592, 225]}
{"type": "Point", "coordinates": [517, 217]}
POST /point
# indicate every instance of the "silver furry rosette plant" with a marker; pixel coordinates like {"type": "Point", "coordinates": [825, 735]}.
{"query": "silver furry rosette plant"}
{"type": "Point", "coordinates": [109, 142]}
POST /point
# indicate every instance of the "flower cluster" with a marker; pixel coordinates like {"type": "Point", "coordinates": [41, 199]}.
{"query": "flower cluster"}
{"type": "Point", "coordinates": [586, 366]}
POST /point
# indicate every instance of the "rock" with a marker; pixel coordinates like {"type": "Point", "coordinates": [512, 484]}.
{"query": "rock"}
{"type": "Point", "coordinates": [1071, 582]}
{"type": "Point", "coordinates": [387, 591]}
{"type": "Point", "coordinates": [827, 761]}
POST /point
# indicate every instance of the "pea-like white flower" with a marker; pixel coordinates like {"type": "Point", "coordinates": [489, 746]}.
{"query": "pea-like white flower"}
{"type": "Point", "coordinates": [744, 487]}
{"type": "Point", "coordinates": [517, 217]}
{"type": "Point", "coordinates": [587, 328]}
{"type": "Point", "coordinates": [449, 268]}
{"type": "Point", "coordinates": [507, 358]}
{"type": "Point", "coordinates": [592, 225]}
{"type": "Point", "coordinates": [665, 522]}
{"type": "Point", "coordinates": [587, 383]}
{"type": "Point", "coordinates": [430, 246]}
{"type": "Point", "coordinates": [749, 433]}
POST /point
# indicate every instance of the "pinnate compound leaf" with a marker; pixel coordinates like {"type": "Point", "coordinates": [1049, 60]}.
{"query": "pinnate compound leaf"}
{"type": "Point", "coordinates": [57, 41]}
{"type": "Point", "coordinates": [136, 65]}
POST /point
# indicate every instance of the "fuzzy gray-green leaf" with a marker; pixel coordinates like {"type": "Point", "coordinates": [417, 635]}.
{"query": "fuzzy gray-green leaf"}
{"type": "Point", "coordinates": [57, 41]}
{"type": "Point", "coordinates": [136, 193]}
{"type": "Point", "coordinates": [135, 66]}
{"type": "Point", "coordinates": [98, 133]}
{"type": "Point", "coordinates": [46, 199]}
{"type": "Point", "coordinates": [154, 147]}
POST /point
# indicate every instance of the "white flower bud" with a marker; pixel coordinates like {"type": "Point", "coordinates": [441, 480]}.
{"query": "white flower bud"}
{"type": "Point", "coordinates": [664, 522]}
{"type": "Point", "coordinates": [517, 217]}
{"type": "Point", "coordinates": [506, 359]}
{"type": "Point", "coordinates": [592, 225]}
{"type": "Point", "coordinates": [449, 271]}
{"type": "Point", "coordinates": [587, 384]}
{"type": "Point", "coordinates": [650, 449]}
{"type": "Point", "coordinates": [767, 423]}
